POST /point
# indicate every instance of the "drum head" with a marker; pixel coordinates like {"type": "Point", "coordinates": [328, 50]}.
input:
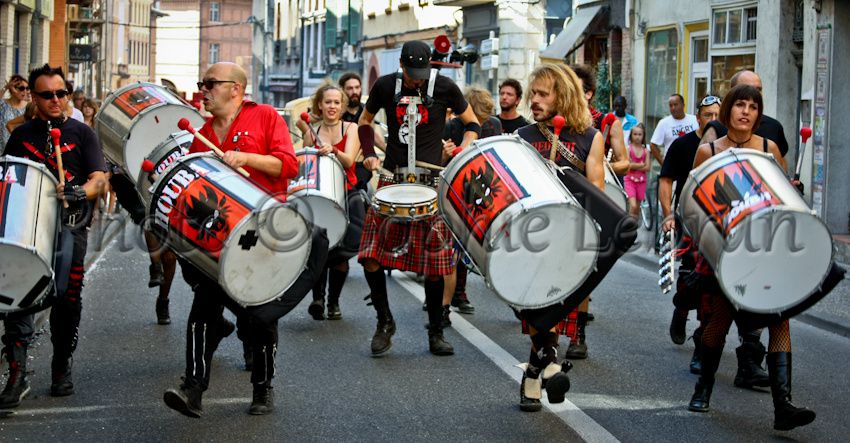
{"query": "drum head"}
{"type": "Point", "coordinates": [32, 277]}
{"type": "Point", "coordinates": [264, 254]}
{"type": "Point", "coordinates": [548, 253]}
{"type": "Point", "coordinates": [406, 194]}
{"type": "Point", "coordinates": [324, 212]}
{"type": "Point", "coordinates": [774, 261]}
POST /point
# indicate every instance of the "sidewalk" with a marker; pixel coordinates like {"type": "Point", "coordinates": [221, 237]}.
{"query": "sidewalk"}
{"type": "Point", "coordinates": [99, 239]}
{"type": "Point", "coordinates": [832, 313]}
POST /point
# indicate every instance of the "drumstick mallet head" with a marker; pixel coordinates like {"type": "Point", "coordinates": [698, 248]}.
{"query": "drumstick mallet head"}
{"type": "Point", "coordinates": [148, 167]}
{"type": "Point", "coordinates": [805, 133]}
{"type": "Point", "coordinates": [558, 122]}
{"type": "Point", "coordinates": [185, 125]}
{"type": "Point", "coordinates": [55, 134]}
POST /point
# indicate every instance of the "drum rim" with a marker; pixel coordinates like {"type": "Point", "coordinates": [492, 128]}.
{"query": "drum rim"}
{"type": "Point", "coordinates": [460, 159]}
{"type": "Point", "coordinates": [231, 238]}
{"type": "Point", "coordinates": [721, 256]}
{"type": "Point", "coordinates": [332, 243]}
{"type": "Point", "coordinates": [396, 187]}
{"type": "Point", "coordinates": [42, 262]}
{"type": "Point", "coordinates": [35, 165]}
{"type": "Point", "coordinates": [142, 173]}
{"type": "Point", "coordinates": [112, 95]}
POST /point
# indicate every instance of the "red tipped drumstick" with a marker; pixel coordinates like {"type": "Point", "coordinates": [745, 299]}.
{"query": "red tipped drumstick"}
{"type": "Point", "coordinates": [55, 134]}
{"type": "Point", "coordinates": [305, 117]}
{"type": "Point", "coordinates": [148, 167]}
{"type": "Point", "coordinates": [186, 126]}
{"type": "Point", "coordinates": [558, 122]}
{"type": "Point", "coordinates": [805, 133]}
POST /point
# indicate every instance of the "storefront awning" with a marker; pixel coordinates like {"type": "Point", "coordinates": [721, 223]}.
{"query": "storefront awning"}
{"type": "Point", "coordinates": [565, 41]}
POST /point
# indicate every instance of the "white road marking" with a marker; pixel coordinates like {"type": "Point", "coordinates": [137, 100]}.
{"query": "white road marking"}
{"type": "Point", "coordinates": [567, 411]}
{"type": "Point", "coordinates": [86, 409]}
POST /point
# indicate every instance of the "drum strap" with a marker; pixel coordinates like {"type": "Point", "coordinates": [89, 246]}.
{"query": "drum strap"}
{"type": "Point", "coordinates": [569, 155]}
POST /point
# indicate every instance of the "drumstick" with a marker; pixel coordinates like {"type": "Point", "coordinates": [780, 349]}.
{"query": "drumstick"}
{"type": "Point", "coordinates": [148, 166]}
{"type": "Point", "coordinates": [305, 117]}
{"type": "Point", "coordinates": [429, 165]}
{"type": "Point", "coordinates": [805, 133]}
{"type": "Point", "coordinates": [186, 126]}
{"type": "Point", "coordinates": [559, 122]}
{"type": "Point", "coordinates": [55, 133]}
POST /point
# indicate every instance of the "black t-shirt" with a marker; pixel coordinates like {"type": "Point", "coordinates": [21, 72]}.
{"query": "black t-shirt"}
{"type": "Point", "coordinates": [81, 152]}
{"type": "Point", "coordinates": [579, 144]}
{"type": "Point", "coordinates": [432, 119]}
{"type": "Point", "coordinates": [353, 118]}
{"type": "Point", "coordinates": [771, 129]}
{"type": "Point", "coordinates": [510, 126]}
{"type": "Point", "coordinates": [679, 161]}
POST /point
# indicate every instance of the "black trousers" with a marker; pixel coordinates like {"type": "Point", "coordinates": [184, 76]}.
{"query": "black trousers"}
{"type": "Point", "coordinates": [204, 328]}
{"type": "Point", "coordinates": [618, 234]}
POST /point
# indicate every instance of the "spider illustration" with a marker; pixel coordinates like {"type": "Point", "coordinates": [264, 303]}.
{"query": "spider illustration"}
{"type": "Point", "coordinates": [480, 189]}
{"type": "Point", "coordinates": [207, 214]}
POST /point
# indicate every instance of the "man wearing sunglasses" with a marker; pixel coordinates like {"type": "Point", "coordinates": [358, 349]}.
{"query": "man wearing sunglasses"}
{"type": "Point", "coordinates": [255, 137]}
{"type": "Point", "coordinates": [84, 169]}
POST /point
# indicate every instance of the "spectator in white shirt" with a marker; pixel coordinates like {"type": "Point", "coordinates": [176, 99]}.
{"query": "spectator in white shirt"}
{"type": "Point", "coordinates": [675, 125]}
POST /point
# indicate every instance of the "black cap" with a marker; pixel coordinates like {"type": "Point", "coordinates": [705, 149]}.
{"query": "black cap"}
{"type": "Point", "coordinates": [416, 59]}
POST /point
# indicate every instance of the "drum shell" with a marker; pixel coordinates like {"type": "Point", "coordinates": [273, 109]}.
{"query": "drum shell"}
{"type": "Point", "coordinates": [251, 274]}
{"type": "Point", "coordinates": [322, 198]}
{"type": "Point", "coordinates": [135, 119]}
{"type": "Point", "coordinates": [758, 262]}
{"type": "Point", "coordinates": [175, 146]}
{"type": "Point", "coordinates": [30, 227]}
{"type": "Point", "coordinates": [549, 273]}
{"type": "Point", "coordinates": [614, 190]}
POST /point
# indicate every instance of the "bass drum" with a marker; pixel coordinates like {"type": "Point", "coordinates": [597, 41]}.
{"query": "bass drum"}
{"type": "Point", "coordinates": [769, 251]}
{"type": "Point", "coordinates": [524, 231]}
{"type": "Point", "coordinates": [176, 145]}
{"type": "Point", "coordinates": [135, 119]}
{"type": "Point", "coordinates": [318, 192]}
{"type": "Point", "coordinates": [29, 229]}
{"type": "Point", "coordinates": [252, 244]}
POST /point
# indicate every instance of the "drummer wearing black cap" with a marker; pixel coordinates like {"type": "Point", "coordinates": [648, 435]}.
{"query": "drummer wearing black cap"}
{"type": "Point", "coordinates": [427, 243]}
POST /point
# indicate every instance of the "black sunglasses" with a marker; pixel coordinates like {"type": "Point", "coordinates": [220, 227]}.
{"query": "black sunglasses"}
{"type": "Point", "coordinates": [22, 88]}
{"type": "Point", "coordinates": [48, 95]}
{"type": "Point", "coordinates": [709, 100]}
{"type": "Point", "coordinates": [209, 84]}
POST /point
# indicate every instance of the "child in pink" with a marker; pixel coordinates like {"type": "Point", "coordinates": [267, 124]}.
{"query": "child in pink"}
{"type": "Point", "coordinates": [635, 180]}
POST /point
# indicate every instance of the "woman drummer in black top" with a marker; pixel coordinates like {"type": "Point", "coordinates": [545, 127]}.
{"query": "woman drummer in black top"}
{"type": "Point", "coordinates": [741, 112]}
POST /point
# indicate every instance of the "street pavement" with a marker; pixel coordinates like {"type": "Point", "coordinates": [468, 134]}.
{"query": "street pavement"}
{"type": "Point", "coordinates": [634, 387]}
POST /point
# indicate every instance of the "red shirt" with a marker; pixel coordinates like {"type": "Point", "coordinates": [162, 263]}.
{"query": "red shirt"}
{"type": "Point", "coordinates": [258, 129]}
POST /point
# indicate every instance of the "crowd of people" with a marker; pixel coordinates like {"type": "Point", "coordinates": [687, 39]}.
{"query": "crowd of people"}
{"type": "Point", "coordinates": [448, 122]}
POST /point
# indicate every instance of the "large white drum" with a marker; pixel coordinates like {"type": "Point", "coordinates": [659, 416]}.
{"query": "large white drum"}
{"type": "Point", "coordinates": [769, 251]}
{"type": "Point", "coordinates": [135, 119]}
{"type": "Point", "coordinates": [29, 227]}
{"type": "Point", "coordinates": [524, 231]}
{"type": "Point", "coordinates": [252, 244]}
{"type": "Point", "coordinates": [318, 193]}
{"type": "Point", "coordinates": [176, 145]}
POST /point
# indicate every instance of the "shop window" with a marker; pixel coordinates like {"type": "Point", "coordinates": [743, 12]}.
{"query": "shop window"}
{"type": "Point", "coordinates": [724, 67]}
{"type": "Point", "coordinates": [661, 69]}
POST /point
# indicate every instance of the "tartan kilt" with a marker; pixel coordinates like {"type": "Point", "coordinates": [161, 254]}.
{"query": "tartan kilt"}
{"type": "Point", "coordinates": [423, 246]}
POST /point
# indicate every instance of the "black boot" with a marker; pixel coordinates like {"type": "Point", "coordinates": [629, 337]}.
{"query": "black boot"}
{"type": "Point", "coordinates": [696, 365]}
{"type": "Point", "coordinates": [786, 416]}
{"type": "Point", "coordinates": [459, 298]}
{"type": "Point", "coordinates": [17, 386]}
{"type": "Point", "coordinates": [63, 383]}
{"type": "Point", "coordinates": [317, 306]}
{"type": "Point", "coordinates": [702, 393]}
{"type": "Point", "coordinates": [437, 344]}
{"type": "Point", "coordinates": [336, 280]}
{"type": "Point", "coordinates": [162, 315]}
{"type": "Point", "coordinates": [446, 313]}
{"type": "Point", "coordinates": [750, 372]}
{"type": "Point", "coordinates": [530, 392]}
{"type": "Point", "coordinates": [155, 275]}
{"type": "Point", "coordinates": [187, 399]}
{"type": "Point", "coordinates": [556, 382]}
{"type": "Point", "coordinates": [578, 348]}
{"type": "Point", "coordinates": [677, 326]}
{"type": "Point", "coordinates": [382, 339]}
{"type": "Point", "coordinates": [263, 402]}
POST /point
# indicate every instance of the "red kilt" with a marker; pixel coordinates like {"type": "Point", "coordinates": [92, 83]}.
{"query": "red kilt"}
{"type": "Point", "coordinates": [424, 247]}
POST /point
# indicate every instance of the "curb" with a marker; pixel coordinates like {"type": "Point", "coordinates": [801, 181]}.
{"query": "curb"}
{"type": "Point", "coordinates": [821, 321]}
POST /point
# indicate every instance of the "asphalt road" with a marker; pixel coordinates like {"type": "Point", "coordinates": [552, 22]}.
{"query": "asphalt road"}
{"type": "Point", "coordinates": [634, 387]}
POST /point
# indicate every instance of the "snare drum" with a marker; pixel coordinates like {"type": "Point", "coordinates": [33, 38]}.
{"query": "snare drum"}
{"type": "Point", "coordinates": [29, 228]}
{"type": "Point", "coordinates": [176, 145]}
{"type": "Point", "coordinates": [406, 202]}
{"type": "Point", "coordinates": [613, 188]}
{"type": "Point", "coordinates": [135, 119]}
{"type": "Point", "coordinates": [769, 251]}
{"type": "Point", "coordinates": [252, 244]}
{"type": "Point", "coordinates": [318, 192]}
{"type": "Point", "coordinates": [527, 235]}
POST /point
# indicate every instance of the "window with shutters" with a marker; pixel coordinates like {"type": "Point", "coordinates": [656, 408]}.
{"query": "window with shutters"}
{"type": "Point", "coordinates": [215, 12]}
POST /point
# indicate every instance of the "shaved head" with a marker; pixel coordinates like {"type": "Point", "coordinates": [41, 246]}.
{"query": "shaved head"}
{"type": "Point", "coordinates": [746, 77]}
{"type": "Point", "coordinates": [228, 71]}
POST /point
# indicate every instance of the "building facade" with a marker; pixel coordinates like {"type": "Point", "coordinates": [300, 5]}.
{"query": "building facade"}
{"type": "Point", "coordinates": [226, 36]}
{"type": "Point", "coordinates": [178, 39]}
{"type": "Point", "coordinates": [25, 31]}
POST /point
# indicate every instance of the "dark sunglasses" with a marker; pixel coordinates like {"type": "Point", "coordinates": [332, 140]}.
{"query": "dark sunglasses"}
{"type": "Point", "coordinates": [22, 88]}
{"type": "Point", "coordinates": [48, 95]}
{"type": "Point", "coordinates": [209, 84]}
{"type": "Point", "coordinates": [709, 100]}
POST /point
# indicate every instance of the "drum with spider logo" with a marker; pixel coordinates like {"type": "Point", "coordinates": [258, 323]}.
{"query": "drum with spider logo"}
{"type": "Point", "coordinates": [251, 243]}
{"type": "Point", "coordinates": [524, 231]}
{"type": "Point", "coordinates": [769, 251]}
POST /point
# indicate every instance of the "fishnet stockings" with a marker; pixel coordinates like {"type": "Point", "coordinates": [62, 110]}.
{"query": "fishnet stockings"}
{"type": "Point", "coordinates": [722, 315]}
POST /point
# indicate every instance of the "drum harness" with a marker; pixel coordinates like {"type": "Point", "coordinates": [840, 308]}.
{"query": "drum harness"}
{"type": "Point", "coordinates": [413, 117]}
{"type": "Point", "coordinates": [569, 155]}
